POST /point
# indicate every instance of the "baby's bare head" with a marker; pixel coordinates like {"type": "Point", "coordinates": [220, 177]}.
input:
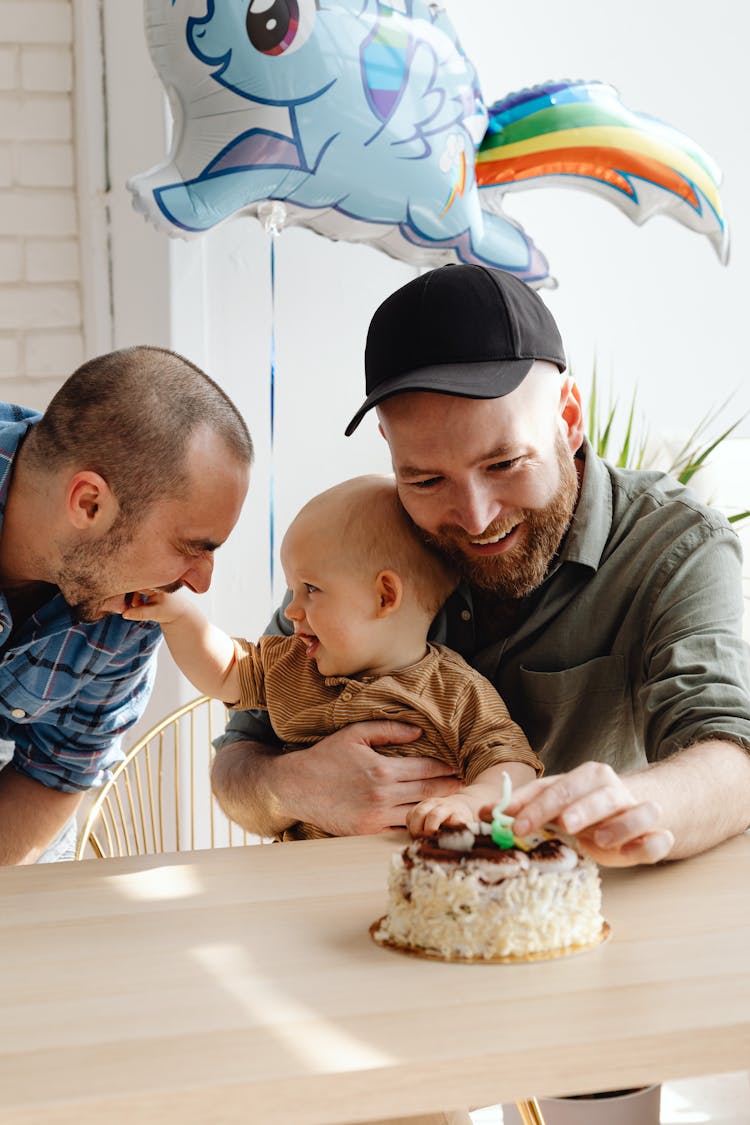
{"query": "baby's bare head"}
{"type": "Point", "coordinates": [364, 529]}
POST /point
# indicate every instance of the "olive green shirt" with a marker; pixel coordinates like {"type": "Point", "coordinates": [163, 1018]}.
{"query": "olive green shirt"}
{"type": "Point", "coordinates": [632, 647]}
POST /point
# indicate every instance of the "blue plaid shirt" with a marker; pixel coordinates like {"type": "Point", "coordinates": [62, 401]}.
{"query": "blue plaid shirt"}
{"type": "Point", "coordinates": [68, 692]}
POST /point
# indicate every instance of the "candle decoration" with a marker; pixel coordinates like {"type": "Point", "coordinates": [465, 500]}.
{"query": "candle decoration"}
{"type": "Point", "coordinates": [502, 830]}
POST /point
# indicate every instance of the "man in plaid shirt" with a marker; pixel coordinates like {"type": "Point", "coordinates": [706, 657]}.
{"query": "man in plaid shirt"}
{"type": "Point", "coordinates": [132, 478]}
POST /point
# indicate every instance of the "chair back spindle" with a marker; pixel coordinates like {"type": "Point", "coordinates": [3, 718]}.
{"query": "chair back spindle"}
{"type": "Point", "coordinates": [159, 797]}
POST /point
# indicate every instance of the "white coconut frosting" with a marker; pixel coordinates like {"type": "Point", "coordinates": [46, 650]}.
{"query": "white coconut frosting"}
{"type": "Point", "coordinates": [478, 901]}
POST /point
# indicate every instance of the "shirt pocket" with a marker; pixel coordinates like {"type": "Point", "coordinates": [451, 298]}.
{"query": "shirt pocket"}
{"type": "Point", "coordinates": [579, 714]}
{"type": "Point", "coordinates": [20, 703]}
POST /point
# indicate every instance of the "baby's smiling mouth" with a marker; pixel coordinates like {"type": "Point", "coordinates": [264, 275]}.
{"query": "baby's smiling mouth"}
{"type": "Point", "coordinates": [310, 642]}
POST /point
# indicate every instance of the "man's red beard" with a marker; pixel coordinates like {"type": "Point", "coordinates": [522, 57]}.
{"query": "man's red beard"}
{"type": "Point", "coordinates": [524, 566]}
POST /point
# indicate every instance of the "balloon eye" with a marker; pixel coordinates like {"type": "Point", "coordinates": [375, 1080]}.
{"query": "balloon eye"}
{"type": "Point", "coordinates": [272, 25]}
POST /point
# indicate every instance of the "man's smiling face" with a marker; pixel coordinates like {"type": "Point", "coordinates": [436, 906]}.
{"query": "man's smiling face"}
{"type": "Point", "coordinates": [170, 545]}
{"type": "Point", "coordinates": [492, 482]}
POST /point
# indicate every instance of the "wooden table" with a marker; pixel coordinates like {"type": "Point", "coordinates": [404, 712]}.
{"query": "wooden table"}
{"type": "Point", "coordinates": [242, 986]}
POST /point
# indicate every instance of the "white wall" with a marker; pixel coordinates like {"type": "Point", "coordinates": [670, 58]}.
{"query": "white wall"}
{"type": "Point", "coordinates": [41, 336]}
{"type": "Point", "coordinates": [653, 303]}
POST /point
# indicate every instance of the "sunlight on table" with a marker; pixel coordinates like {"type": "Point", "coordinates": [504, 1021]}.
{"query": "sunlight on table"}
{"type": "Point", "coordinates": [158, 884]}
{"type": "Point", "coordinates": [326, 1050]}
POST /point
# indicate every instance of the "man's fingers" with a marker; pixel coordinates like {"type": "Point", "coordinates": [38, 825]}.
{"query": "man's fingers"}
{"type": "Point", "coordinates": [412, 792]}
{"type": "Point", "coordinates": [526, 794]}
{"type": "Point", "coordinates": [649, 849]}
{"type": "Point", "coordinates": [384, 732]}
{"type": "Point", "coordinates": [631, 825]}
{"type": "Point", "coordinates": [421, 769]}
{"type": "Point", "coordinates": [592, 809]}
{"type": "Point", "coordinates": [575, 800]}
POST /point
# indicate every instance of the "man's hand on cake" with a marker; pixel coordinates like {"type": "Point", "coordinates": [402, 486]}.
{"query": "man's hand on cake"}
{"type": "Point", "coordinates": [595, 805]}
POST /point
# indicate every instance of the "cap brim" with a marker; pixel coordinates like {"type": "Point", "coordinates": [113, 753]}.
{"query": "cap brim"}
{"type": "Point", "coordinates": [491, 379]}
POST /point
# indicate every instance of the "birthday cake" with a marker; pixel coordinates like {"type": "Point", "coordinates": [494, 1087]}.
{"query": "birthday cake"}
{"type": "Point", "coordinates": [458, 896]}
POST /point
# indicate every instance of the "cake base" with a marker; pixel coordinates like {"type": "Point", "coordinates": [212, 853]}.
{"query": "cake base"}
{"type": "Point", "coordinates": [510, 959]}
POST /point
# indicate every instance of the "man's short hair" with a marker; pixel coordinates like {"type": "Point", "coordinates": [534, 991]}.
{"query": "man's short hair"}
{"type": "Point", "coordinates": [129, 416]}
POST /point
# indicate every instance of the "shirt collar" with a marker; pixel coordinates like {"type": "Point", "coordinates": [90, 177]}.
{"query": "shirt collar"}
{"type": "Point", "coordinates": [14, 425]}
{"type": "Point", "coordinates": [592, 520]}
{"type": "Point", "coordinates": [15, 422]}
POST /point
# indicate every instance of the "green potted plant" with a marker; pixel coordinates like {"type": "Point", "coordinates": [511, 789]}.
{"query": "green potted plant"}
{"type": "Point", "coordinates": [631, 446]}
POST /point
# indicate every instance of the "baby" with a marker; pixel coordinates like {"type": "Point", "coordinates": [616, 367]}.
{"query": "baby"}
{"type": "Point", "coordinates": [364, 589]}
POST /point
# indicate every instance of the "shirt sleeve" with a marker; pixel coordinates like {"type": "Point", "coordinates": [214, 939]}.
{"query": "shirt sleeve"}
{"type": "Point", "coordinates": [74, 747]}
{"type": "Point", "coordinates": [696, 675]}
{"type": "Point", "coordinates": [249, 662]}
{"type": "Point", "coordinates": [487, 734]}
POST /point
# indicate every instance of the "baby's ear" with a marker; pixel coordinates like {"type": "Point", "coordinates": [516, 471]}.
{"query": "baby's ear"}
{"type": "Point", "coordinates": [390, 590]}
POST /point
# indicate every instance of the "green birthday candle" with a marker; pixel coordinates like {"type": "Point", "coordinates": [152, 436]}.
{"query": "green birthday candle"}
{"type": "Point", "coordinates": [502, 831]}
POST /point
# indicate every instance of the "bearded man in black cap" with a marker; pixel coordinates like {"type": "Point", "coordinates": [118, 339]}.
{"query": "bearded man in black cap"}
{"type": "Point", "coordinates": [605, 605]}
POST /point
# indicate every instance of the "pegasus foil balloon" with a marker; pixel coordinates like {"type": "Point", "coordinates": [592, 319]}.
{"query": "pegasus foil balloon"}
{"type": "Point", "coordinates": [365, 121]}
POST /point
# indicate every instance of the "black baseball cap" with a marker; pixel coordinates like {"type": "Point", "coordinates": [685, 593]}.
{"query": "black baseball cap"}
{"type": "Point", "coordinates": [457, 330]}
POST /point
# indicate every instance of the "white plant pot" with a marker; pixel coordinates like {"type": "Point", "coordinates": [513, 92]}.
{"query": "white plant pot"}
{"type": "Point", "coordinates": [639, 1107]}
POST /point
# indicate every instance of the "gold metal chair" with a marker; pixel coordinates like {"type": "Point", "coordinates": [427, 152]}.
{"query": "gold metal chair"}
{"type": "Point", "coordinates": [530, 1112]}
{"type": "Point", "coordinates": [159, 798]}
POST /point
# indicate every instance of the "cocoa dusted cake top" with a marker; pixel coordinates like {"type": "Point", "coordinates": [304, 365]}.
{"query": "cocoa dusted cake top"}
{"type": "Point", "coordinates": [461, 844]}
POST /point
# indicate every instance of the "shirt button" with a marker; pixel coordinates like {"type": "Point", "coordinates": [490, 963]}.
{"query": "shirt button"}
{"type": "Point", "coordinates": [346, 695]}
{"type": "Point", "coordinates": [466, 615]}
{"type": "Point", "coordinates": [17, 713]}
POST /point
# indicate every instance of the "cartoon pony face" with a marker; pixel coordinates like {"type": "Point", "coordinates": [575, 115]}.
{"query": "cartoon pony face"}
{"type": "Point", "coordinates": [259, 45]}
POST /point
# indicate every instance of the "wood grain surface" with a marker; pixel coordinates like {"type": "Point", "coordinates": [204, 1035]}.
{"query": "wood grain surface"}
{"type": "Point", "coordinates": [242, 986]}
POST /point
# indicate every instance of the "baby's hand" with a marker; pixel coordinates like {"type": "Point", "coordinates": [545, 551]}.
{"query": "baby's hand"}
{"type": "Point", "coordinates": [427, 817]}
{"type": "Point", "coordinates": [156, 605]}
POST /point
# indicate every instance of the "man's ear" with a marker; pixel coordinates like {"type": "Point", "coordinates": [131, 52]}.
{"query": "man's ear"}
{"type": "Point", "coordinates": [90, 503]}
{"type": "Point", "coordinates": [571, 413]}
{"type": "Point", "coordinates": [390, 591]}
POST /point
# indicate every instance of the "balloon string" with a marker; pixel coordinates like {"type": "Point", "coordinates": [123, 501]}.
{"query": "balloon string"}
{"type": "Point", "coordinates": [272, 413]}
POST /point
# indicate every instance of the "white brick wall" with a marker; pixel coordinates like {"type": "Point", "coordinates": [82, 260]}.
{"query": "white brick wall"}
{"type": "Point", "coordinates": [41, 338]}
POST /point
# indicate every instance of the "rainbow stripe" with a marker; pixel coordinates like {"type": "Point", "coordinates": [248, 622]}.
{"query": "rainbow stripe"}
{"type": "Point", "coordinates": [583, 130]}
